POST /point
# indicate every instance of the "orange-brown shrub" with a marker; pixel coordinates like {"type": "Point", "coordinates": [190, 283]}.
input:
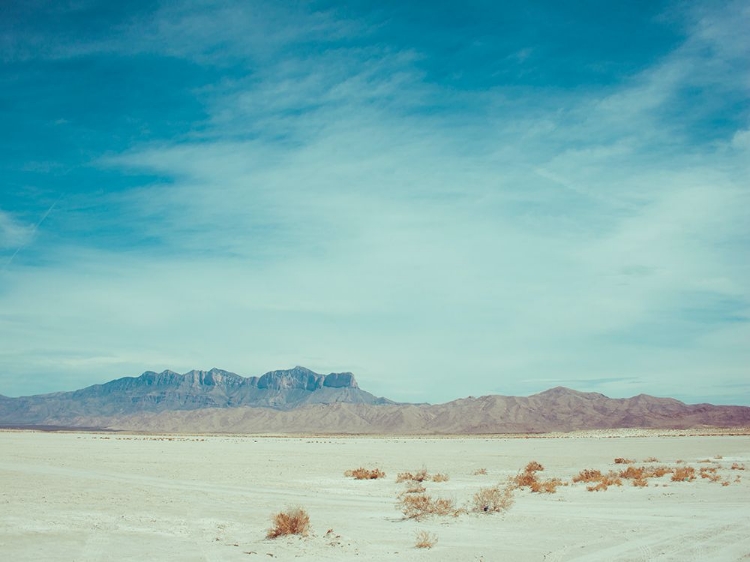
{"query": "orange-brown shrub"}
{"type": "Point", "coordinates": [440, 477]}
{"type": "Point", "coordinates": [493, 499]}
{"type": "Point", "coordinates": [527, 478]}
{"type": "Point", "coordinates": [418, 506]}
{"type": "Point", "coordinates": [588, 475]}
{"type": "Point", "coordinates": [546, 486]}
{"type": "Point", "coordinates": [425, 540]}
{"type": "Point", "coordinates": [419, 476]}
{"type": "Point", "coordinates": [598, 480]}
{"type": "Point", "coordinates": [365, 473]}
{"type": "Point", "coordinates": [533, 466]}
{"type": "Point", "coordinates": [683, 474]}
{"type": "Point", "coordinates": [737, 466]}
{"type": "Point", "coordinates": [480, 471]}
{"type": "Point", "coordinates": [621, 460]}
{"type": "Point", "coordinates": [291, 522]}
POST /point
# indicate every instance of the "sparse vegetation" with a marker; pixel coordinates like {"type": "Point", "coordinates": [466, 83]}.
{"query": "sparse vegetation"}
{"type": "Point", "coordinates": [419, 476]}
{"type": "Point", "coordinates": [425, 540]}
{"type": "Point", "coordinates": [546, 486]}
{"type": "Point", "coordinates": [415, 488]}
{"type": "Point", "coordinates": [418, 506]}
{"type": "Point", "coordinates": [494, 499]}
{"type": "Point", "coordinates": [737, 466]}
{"type": "Point", "coordinates": [440, 477]}
{"type": "Point", "coordinates": [651, 459]}
{"type": "Point", "coordinates": [527, 478]}
{"type": "Point", "coordinates": [683, 474]}
{"type": "Point", "coordinates": [621, 460]}
{"type": "Point", "coordinates": [294, 521]}
{"type": "Point", "coordinates": [480, 472]}
{"type": "Point", "coordinates": [599, 482]}
{"type": "Point", "coordinates": [365, 473]}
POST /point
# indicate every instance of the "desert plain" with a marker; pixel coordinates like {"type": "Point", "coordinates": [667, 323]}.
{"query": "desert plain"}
{"type": "Point", "coordinates": [127, 496]}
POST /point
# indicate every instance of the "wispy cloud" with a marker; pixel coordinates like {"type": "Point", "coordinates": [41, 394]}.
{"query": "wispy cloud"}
{"type": "Point", "coordinates": [338, 207]}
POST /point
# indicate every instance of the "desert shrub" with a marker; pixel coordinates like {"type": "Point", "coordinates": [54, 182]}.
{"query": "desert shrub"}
{"type": "Point", "coordinates": [651, 459]}
{"type": "Point", "coordinates": [493, 499]}
{"type": "Point", "coordinates": [599, 482]}
{"type": "Point", "coordinates": [710, 473]}
{"type": "Point", "coordinates": [418, 506]}
{"type": "Point", "coordinates": [365, 474]}
{"type": "Point", "coordinates": [419, 476]}
{"type": "Point", "coordinates": [440, 477]}
{"type": "Point", "coordinates": [291, 522]}
{"type": "Point", "coordinates": [533, 466]}
{"type": "Point", "coordinates": [588, 475]}
{"type": "Point", "coordinates": [640, 474]}
{"type": "Point", "coordinates": [683, 474]}
{"type": "Point", "coordinates": [634, 473]}
{"type": "Point", "coordinates": [546, 486]}
{"type": "Point", "coordinates": [480, 471]}
{"type": "Point", "coordinates": [621, 460]}
{"type": "Point", "coordinates": [527, 478]}
{"type": "Point", "coordinates": [737, 466]}
{"type": "Point", "coordinates": [425, 540]}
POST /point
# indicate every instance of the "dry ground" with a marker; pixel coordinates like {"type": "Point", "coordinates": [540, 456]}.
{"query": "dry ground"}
{"type": "Point", "coordinates": [93, 497]}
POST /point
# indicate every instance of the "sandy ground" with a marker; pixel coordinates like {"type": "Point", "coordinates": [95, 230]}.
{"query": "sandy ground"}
{"type": "Point", "coordinates": [86, 497]}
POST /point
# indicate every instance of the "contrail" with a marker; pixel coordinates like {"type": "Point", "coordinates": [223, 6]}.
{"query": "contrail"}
{"type": "Point", "coordinates": [33, 231]}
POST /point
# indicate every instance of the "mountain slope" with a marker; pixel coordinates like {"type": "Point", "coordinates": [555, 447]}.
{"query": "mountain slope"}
{"type": "Point", "coordinates": [551, 411]}
{"type": "Point", "coordinates": [301, 401]}
{"type": "Point", "coordinates": [169, 391]}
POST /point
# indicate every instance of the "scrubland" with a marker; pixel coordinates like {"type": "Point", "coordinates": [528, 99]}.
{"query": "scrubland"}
{"type": "Point", "coordinates": [609, 496]}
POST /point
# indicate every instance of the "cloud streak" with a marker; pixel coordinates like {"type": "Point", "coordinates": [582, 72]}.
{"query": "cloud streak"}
{"type": "Point", "coordinates": [338, 206]}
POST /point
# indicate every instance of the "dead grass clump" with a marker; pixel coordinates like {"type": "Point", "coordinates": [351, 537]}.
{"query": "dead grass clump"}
{"type": "Point", "coordinates": [640, 474]}
{"type": "Point", "coordinates": [546, 486]}
{"type": "Point", "coordinates": [533, 466]}
{"type": "Point", "coordinates": [493, 499]}
{"type": "Point", "coordinates": [588, 475]}
{"type": "Point", "coordinates": [419, 476]}
{"type": "Point", "coordinates": [737, 466]}
{"type": "Point", "coordinates": [527, 478]}
{"type": "Point", "coordinates": [683, 474]}
{"type": "Point", "coordinates": [290, 522]}
{"type": "Point", "coordinates": [599, 482]}
{"type": "Point", "coordinates": [418, 506]}
{"type": "Point", "coordinates": [480, 471]}
{"type": "Point", "coordinates": [651, 459]}
{"type": "Point", "coordinates": [365, 474]}
{"type": "Point", "coordinates": [440, 477]}
{"type": "Point", "coordinates": [710, 473]}
{"type": "Point", "coordinates": [425, 540]}
{"type": "Point", "coordinates": [621, 460]}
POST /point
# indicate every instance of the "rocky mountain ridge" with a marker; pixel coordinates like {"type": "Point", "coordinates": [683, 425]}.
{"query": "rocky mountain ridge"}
{"type": "Point", "coordinates": [301, 401]}
{"type": "Point", "coordinates": [154, 392]}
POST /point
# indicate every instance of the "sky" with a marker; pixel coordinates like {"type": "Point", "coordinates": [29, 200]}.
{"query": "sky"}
{"type": "Point", "coordinates": [444, 198]}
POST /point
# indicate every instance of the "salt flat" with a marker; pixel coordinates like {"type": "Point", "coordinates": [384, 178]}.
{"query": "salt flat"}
{"type": "Point", "coordinates": [94, 496]}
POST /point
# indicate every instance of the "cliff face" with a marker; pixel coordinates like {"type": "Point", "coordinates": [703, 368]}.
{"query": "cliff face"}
{"type": "Point", "coordinates": [299, 401]}
{"type": "Point", "coordinates": [166, 391]}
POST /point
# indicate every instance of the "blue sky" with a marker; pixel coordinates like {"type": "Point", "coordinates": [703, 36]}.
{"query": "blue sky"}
{"type": "Point", "coordinates": [447, 199]}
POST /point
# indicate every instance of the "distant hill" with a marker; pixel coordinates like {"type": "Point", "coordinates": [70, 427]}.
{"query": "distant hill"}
{"type": "Point", "coordinates": [169, 391]}
{"type": "Point", "coordinates": [301, 401]}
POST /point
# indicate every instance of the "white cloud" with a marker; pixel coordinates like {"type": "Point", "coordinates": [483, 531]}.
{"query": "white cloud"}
{"type": "Point", "coordinates": [321, 220]}
{"type": "Point", "coordinates": [13, 233]}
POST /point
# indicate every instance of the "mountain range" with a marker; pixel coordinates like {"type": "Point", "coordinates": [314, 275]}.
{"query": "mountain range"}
{"type": "Point", "coordinates": [301, 401]}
